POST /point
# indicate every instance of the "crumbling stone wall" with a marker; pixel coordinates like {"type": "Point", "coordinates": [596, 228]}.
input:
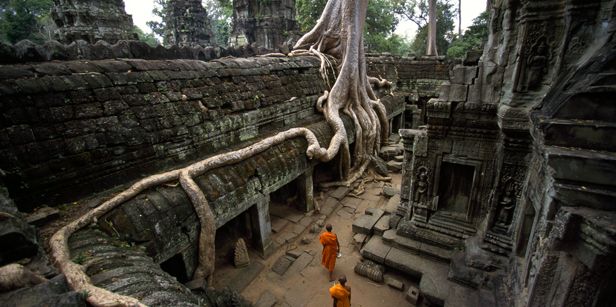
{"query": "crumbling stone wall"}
{"type": "Point", "coordinates": [73, 127]}
{"type": "Point", "coordinates": [540, 91]}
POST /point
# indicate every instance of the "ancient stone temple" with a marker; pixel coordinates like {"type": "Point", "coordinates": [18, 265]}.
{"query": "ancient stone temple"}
{"type": "Point", "coordinates": [268, 24]}
{"type": "Point", "coordinates": [513, 170]}
{"type": "Point", "coordinates": [92, 20]}
{"type": "Point", "coordinates": [505, 194]}
{"type": "Point", "coordinates": [187, 23]}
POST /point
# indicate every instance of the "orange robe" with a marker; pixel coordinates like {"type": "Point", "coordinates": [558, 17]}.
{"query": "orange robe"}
{"type": "Point", "coordinates": [330, 249]}
{"type": "Point", "coordinates": [341, 294]}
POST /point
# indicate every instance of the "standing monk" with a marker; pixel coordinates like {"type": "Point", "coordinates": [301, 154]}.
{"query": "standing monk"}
{"type": "Point", "coordinates": [341, 293]}
{"type": "Point", "coordinates": [330, 250]}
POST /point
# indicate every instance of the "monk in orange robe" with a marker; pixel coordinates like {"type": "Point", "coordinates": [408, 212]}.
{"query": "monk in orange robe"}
{"type": "Point", "coordinates": [341, 293]}
{"type": "Point", "coordinates": [330, 250]}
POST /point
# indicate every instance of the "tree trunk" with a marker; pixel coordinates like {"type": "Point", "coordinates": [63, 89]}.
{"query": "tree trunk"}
{"type": "Point", "coordinates": [431, 51]}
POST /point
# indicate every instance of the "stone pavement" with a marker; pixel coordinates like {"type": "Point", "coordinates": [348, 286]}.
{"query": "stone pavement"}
{"type": "Point", "coordinates": [293, 275]}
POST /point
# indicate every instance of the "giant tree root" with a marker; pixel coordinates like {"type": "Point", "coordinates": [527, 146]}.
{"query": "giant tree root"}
{"type": "Point", "coordinates": [79, 280]}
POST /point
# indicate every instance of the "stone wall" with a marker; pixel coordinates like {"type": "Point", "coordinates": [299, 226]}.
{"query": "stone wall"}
{"type": "Point", "coordinates": [72, 127]}
{"type": "Point", "coordinates": [535, 111]}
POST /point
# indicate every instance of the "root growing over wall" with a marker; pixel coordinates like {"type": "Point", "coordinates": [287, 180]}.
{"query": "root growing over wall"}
{"type": "Point", "coordinates": [338, 34]}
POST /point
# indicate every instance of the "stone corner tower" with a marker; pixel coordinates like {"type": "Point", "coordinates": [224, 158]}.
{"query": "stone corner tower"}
{"type": "Point", "coordinates": [187, 24]}
{"type": "Point", "coordinates": [92, 20]}
{"type": "Point", "coordinates": [269, 24]}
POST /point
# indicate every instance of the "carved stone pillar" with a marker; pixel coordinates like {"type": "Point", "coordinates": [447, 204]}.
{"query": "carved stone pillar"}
{"type": "Point", "coordinates": [262, 226]}
{"type": "Point", "coordinates": [414, 141]}
{"type": "Point", "coordinates": [305, 189]}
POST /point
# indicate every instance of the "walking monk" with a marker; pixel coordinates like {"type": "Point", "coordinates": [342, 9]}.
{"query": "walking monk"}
{"type": "Point", "coordinates": [341, 293]}
{"type": "Point", "coordinates": [330, 250]}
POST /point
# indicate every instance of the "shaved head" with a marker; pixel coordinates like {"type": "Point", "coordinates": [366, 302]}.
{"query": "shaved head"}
{"type": "Point", "coordinates": [342, 279]}
{"type": "Point", "coordinates": [328, 227]}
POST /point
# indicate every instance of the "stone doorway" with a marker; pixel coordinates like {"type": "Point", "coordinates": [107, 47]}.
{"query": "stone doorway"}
{"type": "Point", "coordinates": [455, 189]}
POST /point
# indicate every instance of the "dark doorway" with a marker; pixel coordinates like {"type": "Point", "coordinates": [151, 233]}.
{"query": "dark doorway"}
{"type": "Point", "coordinates": [527, 226]}
{"type": "Point", "coordinates": [455, 187]}
{"type": "Point", "coordinates": [175, 267]}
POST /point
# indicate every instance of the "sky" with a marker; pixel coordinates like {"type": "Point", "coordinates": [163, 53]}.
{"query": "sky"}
{"type": "Point", "coordinates": [141, 10]}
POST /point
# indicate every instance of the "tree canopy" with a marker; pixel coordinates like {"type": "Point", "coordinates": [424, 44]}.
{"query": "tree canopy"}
{"type": "Point", "coordinates": [24, 19]}
{"type": "Point", "coordinates": [416, 11]}
{"type": "Point", "coordinates": [381, 21]}
{"type": "Point", "coordinates": [473, 38]}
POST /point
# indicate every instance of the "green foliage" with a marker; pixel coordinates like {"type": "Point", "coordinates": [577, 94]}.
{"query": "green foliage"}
{"type": "Point", "coordinates": [148, 38]}
{"type": "Point", "coordinates": [220, 13]}
{"type": "Point", "coordinates": [445, 15]}
{"type": "Point", "coordinates": [308, 12]}
{"type": "Point", "coordinates": [381, 21]}
{"type": "Point", "coordinates": [160, 10]}
{"type": "Point", "coordinates": [473, 38]}
{"type": "Point", "coordinates": [24, 19]}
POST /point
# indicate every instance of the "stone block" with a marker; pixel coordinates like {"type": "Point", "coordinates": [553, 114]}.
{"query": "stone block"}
{"type": "Point", "coordinates": [392, 204]}
{"type": "Point", "coordinates": [278, 224]}
{"type": "Point", "coordinates": [382, 225]}
{"type": "Point", "coordinates": [458, 92]}
{"type": "Point", "coordinates": [365, 223]}
{"type": "Point", "coordinates": [295, 253]}
{"type": "Point", "coordinates": [375, 250]}
{"type": "Point", "coordinates": [394, 166]}
{"type": "Point", "coordinates": [299, 264]}
{"type": "Point", "coordinates": [394, 282]}
{"type": "Point", "coordinates": [359, 239]}
{"type": "Point", "coordinates": [339, 193]}
{"type": "Point", "coordinates": [390, 191]}
{"type": "Point", "coordinates": [282, 264]}
{"type": "Point", "coordinates": [42, 215]}
{"type": "Point", "coordinates": [412, 295]}
{"type": "Point", "coordinates": [464, 74]}
{"type": "Point", "coordinates": [444, 91]}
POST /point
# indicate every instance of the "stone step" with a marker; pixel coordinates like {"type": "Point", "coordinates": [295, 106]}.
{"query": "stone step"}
{"type": "Point", "coordinates": [597, 197]}
{"type": "Point", "coordinates": [365, 223]}
{"type": "Point", "coordinates": [579, 133]}
{"type": "Point", "coordinates": [434, 285]}
{"type": "Point", "coordinates": [422, 248]}
{"type": "Point", "coordinates": [596, 106]}
{"type": "Point", "coordinates": [574, 165]}
{"type": "Point", "coordinates": [452, 224]}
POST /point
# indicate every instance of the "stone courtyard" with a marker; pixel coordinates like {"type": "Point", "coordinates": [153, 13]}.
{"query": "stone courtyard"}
{"type": "Point", "coordinates": [188, 175]}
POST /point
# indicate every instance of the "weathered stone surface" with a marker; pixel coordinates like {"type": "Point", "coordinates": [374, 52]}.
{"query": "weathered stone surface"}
{"type": "Point", "coordinates": [267, 299]}
{"type": "Point", "coordinates": [295, 253]}
{"type": "Point", "coordinates": [299, 264]}
{"type": "Point", "coordinates": [375, 250]}
{"type": "Point", "coordinates": [382, 225]}
{"type": "Point", "coordinates": [92, 21]}
{"type": "Point", "coordinates": [42, 215]}
{"type": "Point", "coordinates": [389, 191]}
{"type": "Point", "coordinates": [370, 270]}
{"type": "Point", "coordinates": [412, 295]}
{"type": "Point", "coordinates": [282, 264]}
{"type": "Point", "coordinates": [240, 254]}
{"type": "Point", "coordinates": [55, 292]}
{"type": "Point", "coordinates": [394, 283]}
{"type": "Point", "coordinates": [339, 193]}
{"type": "Point", "coordinates": [359, 239]}
{"type": "Point", "coordinates": [365, 223]}
{"type": "Point", "coordinates": [394, 166]}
